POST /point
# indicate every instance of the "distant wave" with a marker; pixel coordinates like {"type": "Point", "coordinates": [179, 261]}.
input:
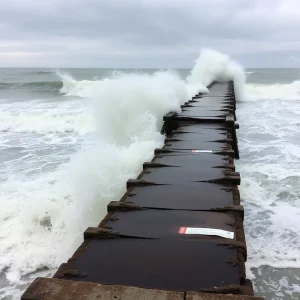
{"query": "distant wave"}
{"type": "Point", "coordinates": [288, 91]}
{"type": "Point", "coordinates": [35, 85]}
{"type": "Point", "coordinates": [40, 72]}
{"type": "Point", "coordinates": [35, 72]}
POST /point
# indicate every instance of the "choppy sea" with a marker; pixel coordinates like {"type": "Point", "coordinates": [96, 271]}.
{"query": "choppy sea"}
{"type": "Point", "coordinates": [70, 139]}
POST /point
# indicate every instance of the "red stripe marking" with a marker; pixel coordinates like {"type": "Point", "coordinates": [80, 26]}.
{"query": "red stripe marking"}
{"type": "Point", "coordinates": [182, 230]}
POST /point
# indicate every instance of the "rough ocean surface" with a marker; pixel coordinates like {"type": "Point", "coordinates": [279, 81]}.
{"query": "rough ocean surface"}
{"type": "Point", "coordinates": [70, 139]}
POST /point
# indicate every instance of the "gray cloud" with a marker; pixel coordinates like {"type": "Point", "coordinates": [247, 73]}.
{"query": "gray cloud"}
{"type": "Point", "coordinates": [138, 33]}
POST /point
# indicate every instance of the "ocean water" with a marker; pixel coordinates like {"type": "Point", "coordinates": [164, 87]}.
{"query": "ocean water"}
{"type": "Point", "coordinates": [71, 138]}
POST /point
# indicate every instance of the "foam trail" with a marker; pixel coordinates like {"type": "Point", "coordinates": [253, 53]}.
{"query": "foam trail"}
{"type": "Point", "coordinates": [215, 66]}
{"type": "Point", "coordinates": [270, 193]}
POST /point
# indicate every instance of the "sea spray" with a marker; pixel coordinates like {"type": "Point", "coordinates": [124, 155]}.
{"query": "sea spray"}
{"type": "Point", "coordinates": [215, 66]}
{"type": "Point", "coordinates": [130, 107]}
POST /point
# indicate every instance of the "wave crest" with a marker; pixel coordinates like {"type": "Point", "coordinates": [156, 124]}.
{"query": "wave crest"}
{"type": "Point", "coordinates": [288, 91]}
{"type": "Point", "coordinates": [35, 85]}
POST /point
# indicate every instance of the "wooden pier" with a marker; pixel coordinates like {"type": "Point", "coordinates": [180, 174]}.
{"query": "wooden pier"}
{"type": "Point", "coordinates": [177, 233]}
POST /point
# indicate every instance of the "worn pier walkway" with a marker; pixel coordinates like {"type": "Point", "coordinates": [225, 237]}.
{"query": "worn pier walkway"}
{"type": "Point", "coordinates": [177, 233]}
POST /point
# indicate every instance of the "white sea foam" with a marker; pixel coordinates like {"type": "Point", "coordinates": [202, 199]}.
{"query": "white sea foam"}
{"type": "Point", "coordinates": [270, 191]}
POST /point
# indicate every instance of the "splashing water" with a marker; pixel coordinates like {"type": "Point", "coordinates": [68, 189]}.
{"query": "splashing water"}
{"type": "Point", "coordinates": [214, 66]}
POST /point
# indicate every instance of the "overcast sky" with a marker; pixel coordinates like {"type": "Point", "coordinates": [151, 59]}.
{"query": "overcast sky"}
{"type": "Point", "coordinates": [147, 33]}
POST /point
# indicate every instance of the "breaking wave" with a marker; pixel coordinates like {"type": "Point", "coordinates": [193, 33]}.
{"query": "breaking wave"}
{"type": "Point", "coordinates": [214, 66]}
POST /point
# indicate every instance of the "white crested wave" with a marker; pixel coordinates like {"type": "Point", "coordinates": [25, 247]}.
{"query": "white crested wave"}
{"type": "Point", "coordinates": [43, 217]}
{"type": "Point", "coordinates": [288, 91]}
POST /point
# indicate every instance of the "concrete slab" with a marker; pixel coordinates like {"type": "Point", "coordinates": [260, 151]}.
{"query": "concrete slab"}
{"type": "Point", "coordinates": [204, 296]}
{"type": "Point", "coordinates": [58, 289]}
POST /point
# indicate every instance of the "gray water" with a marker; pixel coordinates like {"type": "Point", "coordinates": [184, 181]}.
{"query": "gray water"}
{"type": "Point", "coordinates": [47, 139]}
